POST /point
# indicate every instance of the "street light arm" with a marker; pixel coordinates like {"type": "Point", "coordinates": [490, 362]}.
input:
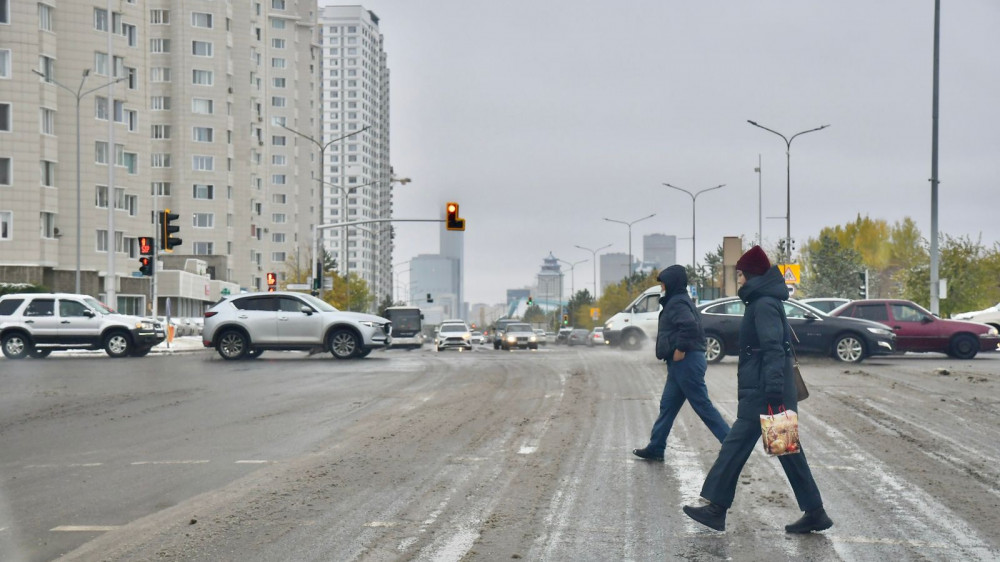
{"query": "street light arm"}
{"type": "Point", "coordinates": [720, 186]}
{"type": "Point", "coordinates": [642, 219]}
{"type": "Point", "coordinates": [613, 220]}
{"type": "Point", "coordinates": [681, 189]}
{"type": "Point", "coordinates": [756, 124]}
{"type": "Point", "coordinates": [92, 90]}
{"type": "Point", "coordinates": [804, 132]}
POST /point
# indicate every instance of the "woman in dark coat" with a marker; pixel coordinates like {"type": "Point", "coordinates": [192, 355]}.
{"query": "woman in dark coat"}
{"type": "Point", "coordinates": [764, 379]}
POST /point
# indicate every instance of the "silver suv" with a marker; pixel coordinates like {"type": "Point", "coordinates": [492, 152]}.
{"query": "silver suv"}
{"type": "Point", "coordinates": [246, 325]}
{"type": "Point", "coordinates": [36, 324]}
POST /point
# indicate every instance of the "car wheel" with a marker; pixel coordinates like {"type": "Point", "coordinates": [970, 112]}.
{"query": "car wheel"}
{"type": "Point", "coordinates": [232, 344]}
{"type": "Point", "coordinates": [963, 346]}
{"type": "Point", "coordinates": [631, 340]}
{"type": "Point", "coordinates": [362, 353]}
{"type": "Point", "coordinates": [714, 351]}
{"type": "Point", "coordinates": [849, 349]}
{"type": "Point", "coordinates": [141, 351]}
{"type": "Point", "coordinates": [254, 352]}
{"type": "Point", "coordinates": [39, 353]}
{"type": "Point", "coordinates": [117, 344]}
{"type": "Point", "coordinates": [343, 344]}
{"type": "Point", "coordinates": [16, 346]}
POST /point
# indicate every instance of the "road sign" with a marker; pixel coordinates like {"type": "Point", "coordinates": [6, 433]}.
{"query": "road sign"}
{"type": "Point", "coordinates": [224, 292]}
{"type": "Point", "coordinates": [595, 313]}
{"type": "Point", "coordinates": [791, 273]}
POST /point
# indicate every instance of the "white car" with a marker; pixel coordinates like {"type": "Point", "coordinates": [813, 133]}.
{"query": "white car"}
{"type": "Point", "coordinates": [637, 323]}
{"type": "Point", "coordinates": [989, 316]}
{"type": "Point", "coordinates": [478, 338]}
{"type": "Point", "coordinates": [519, 335]}
{"type": "Point", "coordinates": [453, 334]}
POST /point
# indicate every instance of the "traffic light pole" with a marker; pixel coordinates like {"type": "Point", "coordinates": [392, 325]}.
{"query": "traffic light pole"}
{"type": "Point", "coordinates": [156, 245]}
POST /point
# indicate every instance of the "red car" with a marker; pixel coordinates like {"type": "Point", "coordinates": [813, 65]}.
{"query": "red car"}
{"type": "Point", "coordinates": [917, 329]}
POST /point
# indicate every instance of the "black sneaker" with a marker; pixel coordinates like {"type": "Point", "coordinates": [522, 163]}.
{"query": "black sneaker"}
{"type": "Point", "coordinates": [815, 520]}
{"type": "Point", "coordinates": [711, 515]}
{"type": "Point", "coordinates": [645, 453]}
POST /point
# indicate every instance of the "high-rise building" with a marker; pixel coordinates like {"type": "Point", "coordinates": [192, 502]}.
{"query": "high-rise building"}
{"type": "Point", "coordinates": [357, 178]}
{"type": "Point", "coordinates": [195, 121]}
{"type": "Point", "coordinates": [659, 250]}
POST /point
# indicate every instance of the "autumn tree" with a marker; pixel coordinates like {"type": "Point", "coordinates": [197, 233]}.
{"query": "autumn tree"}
{"type": "Point", "coordinates": [829, 268]}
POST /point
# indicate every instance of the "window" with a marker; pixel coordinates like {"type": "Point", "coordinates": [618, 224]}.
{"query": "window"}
{"type": "Point", "coordinates": [278, 43]}
{"type": "Point", "coordinates": [200, 19]}
{"type": "Point", "coordinates": [277, 23]}
{"type": "Point", "coordinates": [202, 134]}
{"type": "Point", "coordinates": [203, 191]}
{"type": "Point", "coordinates": [159, 74]}
{"type": "Point", "coordinates": [278, 218]}
{"type": "Point", "coordinates": [48, 224]}
{"type": "Point", "coordinates": [278, 179]}
{"type": "Point", "coordinates": [101, 196]}
{"type": "Point", "coordinates": [278, 82]}
{"type": "Point", "coordinates": [201, 48]}
{"type": "Point", "coordinates": [278, 257]}
{"type": "Point", "coordinates": [47, 119]}
{"type": "Point", "coordinates": [277, 62]}
{"type": "Point", "coordinates": [101, 108]}
{"type": "Point", "coordinates": [202, 163]}
{"type": "Point", "coordinates": [906, 313]}
{"type": "Point", "coordinates": [159, 46]}
{"type": "Point", "coordinates": [159, 103]}
{"type": "Point", "coordinates": [119, 108]}
{"type": "Point", "coordinates": [47, 66]}
{"type": "Point", "coordinates": [100, 19]}
{"type": "Point", "coordinates": [132, 118]}
{"type": "Point", "coordinates": [159, 17]}
{"type": "Point", "coordinates": [102, 240]}
{"type": "Point", "coordinates": [5, 117]}
{"type": "Point", "coordinates": [278, 237]}
{"type": "Point", "coordinates": [160, 132]}
{"type": "Point", "coordinates": [876, 312]}
{"type": "Point", "coordinates": [279, 159]}
{"type": "Point", "coordinates": [278, 140]}
{"type": "Point", "coordinates": [48, 169]}
{"type": "Point", "coordinates": [128, 30]}
{"type": "Point", "coordinates": [159, 160]}
{"type": "Point", "coordinates": [203, 249]}
{"type": "Point", "coordinates": [6, 225]}
{"type": "Point", "coordinates": [278, 4]}
{"type": "Point", "coordinates": [101, 152]}
{"type": "Point", "coordinates": [277, 101]}
{"type": "Point", "coordinates": [202, 106]}
{"type": "Point", "coordinates": [45, 15]}
{"type": "Point", "coordinates": [161, 188]}
{"type": "Point", "coordinates": [203, 220]}
{"type": "Point", "coordinates": [131, 162]}
{"type": "Point", "coordinates": [202, 77]}
{"type": "Point", "coordinates": [4, 62]}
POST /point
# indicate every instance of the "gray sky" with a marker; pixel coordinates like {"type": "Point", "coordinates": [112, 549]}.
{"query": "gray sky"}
{"type": "Point", "coordinates": [542, 117]}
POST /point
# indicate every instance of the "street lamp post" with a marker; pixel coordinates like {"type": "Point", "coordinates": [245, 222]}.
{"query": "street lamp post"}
{"type": "Point", "coordinates": [79, 94]}
{"type": "Point", "coordinates": [594, 256]}
{"type": "Point", "coordinates": [629, 225]}
{"type": "Point", "coordinates": [317, 233]}
{"type": "Point", "coordinates": [694, 201]}
{"type": "Point", "coordinates": [788, 187]}
{"type": "Point", "coordinates": [572, 276]}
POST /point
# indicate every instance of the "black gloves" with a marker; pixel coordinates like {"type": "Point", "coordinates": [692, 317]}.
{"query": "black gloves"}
{"type": "Point", "coordinates": [775, 401]}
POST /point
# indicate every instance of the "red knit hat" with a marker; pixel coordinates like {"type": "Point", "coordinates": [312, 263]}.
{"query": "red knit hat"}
{"type": "Point", "coordinates": [754, 262]}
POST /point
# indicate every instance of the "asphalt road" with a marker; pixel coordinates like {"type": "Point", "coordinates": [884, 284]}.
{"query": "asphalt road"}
{"type": "Point", "coordinates": [487, 455]}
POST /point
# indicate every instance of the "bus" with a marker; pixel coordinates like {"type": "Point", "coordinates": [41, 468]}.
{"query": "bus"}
{"type": "Point", "coordinates": [407, 323]}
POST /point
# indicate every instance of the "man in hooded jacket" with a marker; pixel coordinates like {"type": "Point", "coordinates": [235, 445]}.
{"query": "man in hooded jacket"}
{"type": "Point", "coordinates": [680, 341]}
{"type": "Point", "coordinates": [764, 380]}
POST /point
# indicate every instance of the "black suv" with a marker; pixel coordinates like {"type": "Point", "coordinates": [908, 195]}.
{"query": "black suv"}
{"type": "Point", "coordinates": [36, 324]}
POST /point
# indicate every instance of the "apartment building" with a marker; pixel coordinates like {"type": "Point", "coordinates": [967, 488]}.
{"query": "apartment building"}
{"type": "Point", "coordinates": [357, 177]}
{"type": "Point", "coordinates": [195, 122]}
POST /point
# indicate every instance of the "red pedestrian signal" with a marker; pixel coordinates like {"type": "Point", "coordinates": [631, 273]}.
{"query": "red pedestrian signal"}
{"type": "Point", "coordinates": [453, 222]}
{"type": "Point", "coordinates": [272, 281]}
{"type": "Point", "coordinates": [145, 245]}
{"type": "Point", "coordinates": [146, 266]}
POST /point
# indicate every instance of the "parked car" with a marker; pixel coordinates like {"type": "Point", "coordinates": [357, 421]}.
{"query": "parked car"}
{"type": "Point", "coordinates": [498, 330]}
{"type": "Point", "coordinates": [596, 337]}
{"type": "Point", "coordinates": [453, 334]}
{"type": "Point", "coordinates": [519, 335]}
{"type": "Point", "coordinates": [825, 304]}
{"type": "Point", "coordinates": [542, 336]}
{"type": "Point", "coordinates": [562, 336]}
{"type": "Point", "coordinates": [577, 337]}
{"type": "Point", "coordinates": [846, 339]}
{"type": "Point", "coordinates": [477, 338]}
{"type": "Point", "coordinates": [636, 324]}
{"type": "Point", "coordinates": [36, 324]}
{"type": "Point", "coordinates": [989, 316]}
{"type": "Point", "coordinates": [246, 325]}
{"type": "Point", "coordinates": [917, 329]}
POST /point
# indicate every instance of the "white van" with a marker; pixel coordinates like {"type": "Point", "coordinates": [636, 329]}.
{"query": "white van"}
{"type": "Point", "coordinates": [637, 323]}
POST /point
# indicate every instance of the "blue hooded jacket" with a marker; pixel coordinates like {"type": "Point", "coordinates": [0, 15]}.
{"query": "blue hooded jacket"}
{"type": "Point", "coordinates": [679, 322]}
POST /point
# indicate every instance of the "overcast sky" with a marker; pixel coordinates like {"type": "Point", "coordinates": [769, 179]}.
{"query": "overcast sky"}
{"type": "Point", "coordinates": [543, 117]}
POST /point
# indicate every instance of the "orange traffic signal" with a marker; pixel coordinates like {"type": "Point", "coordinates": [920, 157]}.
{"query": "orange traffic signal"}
{"type": "Point", "coordinates": [272, 281]}
{"type": "Point", "coordinates": [453, 222]}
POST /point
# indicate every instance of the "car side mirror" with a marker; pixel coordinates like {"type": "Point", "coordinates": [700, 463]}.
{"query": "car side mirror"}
{"type": "Point", "coordinates": [810, 316]}
{"type": "Point", "coordinates": [89, 313]}
{"type": "Point", "coordinates": [306, 310]}
{"type": "Point", "coordinates": [927, 319]}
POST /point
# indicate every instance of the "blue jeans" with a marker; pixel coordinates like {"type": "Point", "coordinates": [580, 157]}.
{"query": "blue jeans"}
{"type": "Point", "coordinates": [685, 381]}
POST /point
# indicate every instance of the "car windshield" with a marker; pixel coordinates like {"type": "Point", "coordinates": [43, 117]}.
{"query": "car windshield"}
{"type": "Point", "coordinates": [453, 328]}
{"type": "Point", "coordinates": [99, 306]}
{"type": "Point", "coordinates": [519, 328]}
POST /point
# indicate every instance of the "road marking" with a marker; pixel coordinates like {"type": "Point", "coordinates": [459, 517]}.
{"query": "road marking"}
{"type": "Point", "coordinates": [138, 463]}
{"type": "Point", "coordinates": [527, 449]}
{"type": "Point", "coordinates": [892, 542]}
{"type": "Point", "coordinates": [380, 524]}
{"type": "Point", "coordinates": [85, 528]}
{"type": "Point", "coordinates": [252, 462]}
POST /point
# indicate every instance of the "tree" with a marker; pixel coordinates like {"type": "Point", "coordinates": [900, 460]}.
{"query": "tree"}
{"type": "Point", "coordinates": [579, 309]}
{"type": "Point", "coordinates": [971, 273]}
{"type": "Point", "coordinates": [830, 269]}
{"type": "Point", "coordinates": [534, 314]}
{"type": "Point", "coordinates": [361, 298]}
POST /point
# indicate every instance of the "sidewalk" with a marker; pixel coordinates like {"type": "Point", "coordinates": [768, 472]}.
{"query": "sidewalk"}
{"type": "Point", "coordinates": [182, 344]}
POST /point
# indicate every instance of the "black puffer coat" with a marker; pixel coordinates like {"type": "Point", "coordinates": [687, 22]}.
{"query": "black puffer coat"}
{"type": "Point", "coordinates": [679, 324]}
{"type": "Point", "coordinates": [765, 365]}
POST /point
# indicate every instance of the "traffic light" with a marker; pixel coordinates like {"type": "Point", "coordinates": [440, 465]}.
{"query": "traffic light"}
{"type": "Point", "coordinates": [429, 298]}
{"type": "Point", "coordinates": [781, 245]}
{"type": "Point", "coordinates": [863, 287]}
{"type": "Point", "coordinates": [167, 242]}
{"type": "Point", "coordinates": [565, 319]}
{"type": "Point", "coordinates": [453, 221]}
{"type": "Point", "coordinates": [272, 281]}
{"type": "Point", "coordinates": [531, 301]}
{"type": "Point", "coordinates": [146, 266]}
{"type": "Point", "coordinates": [145, 245]}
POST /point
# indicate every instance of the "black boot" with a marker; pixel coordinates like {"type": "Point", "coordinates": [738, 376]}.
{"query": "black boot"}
{"type": "Point", "coordinates": [645, 453]}
{"type": "Point", "coordinates": [712, 515]}
{"type": "Point", "coordinates": [815, 520]}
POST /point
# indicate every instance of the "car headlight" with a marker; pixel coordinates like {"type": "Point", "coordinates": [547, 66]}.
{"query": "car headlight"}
{"type": "Point", "coordinates": [609, 326]}
{"type": "Point", "coordinates": [370, 324]}
{"type": "Point", "coordinates": [991, 332]}
{"type": "Point", "coordinates": [880, 331]}
{"type": "Point", "coordinates": [511, 338]}
{"type": "Point", "coordinates": [533, 338]}
{"type": "Point", "coordinates": [466, 336]}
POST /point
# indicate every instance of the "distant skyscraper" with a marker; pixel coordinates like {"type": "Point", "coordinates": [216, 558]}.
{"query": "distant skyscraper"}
{"type": "Point", "coordinates": [550, 284]}
{"type": "Point", "coordinates": [614, 268]}
{"type": "Point", "coordinates": [659, 250]}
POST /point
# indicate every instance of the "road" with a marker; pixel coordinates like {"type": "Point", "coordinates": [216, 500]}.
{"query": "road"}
{"type": "Point", "coordinates": [483, 455]}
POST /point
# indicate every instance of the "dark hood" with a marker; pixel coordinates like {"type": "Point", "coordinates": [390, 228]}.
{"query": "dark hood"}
{"type": "Point", "coordinates": [675, 279]}
{"type": "Point", "coordinates": [771, 284]}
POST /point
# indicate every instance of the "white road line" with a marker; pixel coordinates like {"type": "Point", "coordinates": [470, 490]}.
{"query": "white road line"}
{"type": "Point", "coordinates": [380, 524]}
{"type": "Point", "coordinates": [140, 463]}
{"type": "Point", "coordinates": [85, 528]}
{"type": "Point", "coordinates": [252, 461]}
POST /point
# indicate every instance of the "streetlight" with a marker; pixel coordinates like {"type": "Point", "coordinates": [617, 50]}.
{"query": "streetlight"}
{"type": "Point", "coordinates": [78, 94]}
{"type": "Point", "coordinates": [788, 175]}
{"type": "Point", "coordinates": [317, 233]}
{"type": "Point", "coordinates": [594, 256]}
{"type": "Point", "coordinates": [629, 225]}
{"type": "Point", "coordinates": [694, 201]}
{"type": "Point", "coordinates": [572, 277]}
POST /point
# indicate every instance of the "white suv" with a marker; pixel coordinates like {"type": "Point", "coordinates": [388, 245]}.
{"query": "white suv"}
{"type": "Point", "coordinates": [453, 333]}
{"type": "Point", "coordinates": [246, 325]}
{"type": "Point", "coordinates": [36, 324]}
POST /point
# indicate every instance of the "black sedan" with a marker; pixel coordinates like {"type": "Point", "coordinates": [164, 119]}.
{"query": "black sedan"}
{"type": "Point", "coordinates": [817, 332]}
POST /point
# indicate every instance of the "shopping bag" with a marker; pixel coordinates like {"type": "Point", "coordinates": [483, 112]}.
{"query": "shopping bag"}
{"type": "Point", "coordinates": [780, 431]}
